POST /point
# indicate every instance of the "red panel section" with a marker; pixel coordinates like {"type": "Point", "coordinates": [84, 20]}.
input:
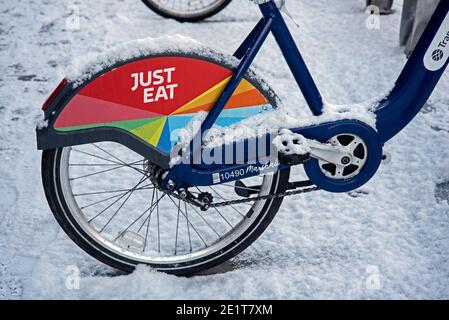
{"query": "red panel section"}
{"type": "Point", "coordinates": [189, 78]}
{"type": "Point", "coordinates": [83, 110]}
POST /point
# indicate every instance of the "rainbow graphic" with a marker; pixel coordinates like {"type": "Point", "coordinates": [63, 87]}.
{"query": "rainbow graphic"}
{"type": "Point", "coordinates": [108, 101]}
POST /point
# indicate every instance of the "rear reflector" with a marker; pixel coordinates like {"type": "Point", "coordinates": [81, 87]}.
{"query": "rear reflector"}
{"type": "Point", "coordinates": [54, 94]}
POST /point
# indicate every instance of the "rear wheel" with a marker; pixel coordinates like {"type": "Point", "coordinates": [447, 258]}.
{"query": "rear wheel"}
{"type": "Point", "coordinates": [102, 196]}
{"type": "Point", "coordinates": [186, 10]}
{"type": "Point", "coordinates": [102, 193]}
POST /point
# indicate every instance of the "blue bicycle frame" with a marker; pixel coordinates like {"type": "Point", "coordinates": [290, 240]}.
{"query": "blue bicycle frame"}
{"type": "Point", "coordinates": [413, 87]}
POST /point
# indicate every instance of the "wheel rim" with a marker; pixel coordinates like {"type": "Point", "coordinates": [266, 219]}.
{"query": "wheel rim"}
{"type": "Point", "coordinates": [138, 222]}
{"type": "Point", "coordinates": [187, 8]}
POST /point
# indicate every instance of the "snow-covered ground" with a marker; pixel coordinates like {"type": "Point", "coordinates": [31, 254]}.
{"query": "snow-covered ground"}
{"type": "Point", "coordinates": [389, 239]}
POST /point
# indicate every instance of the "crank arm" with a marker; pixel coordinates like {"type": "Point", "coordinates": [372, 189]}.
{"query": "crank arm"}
{"type": "Point", "coordinates": [329, 153]}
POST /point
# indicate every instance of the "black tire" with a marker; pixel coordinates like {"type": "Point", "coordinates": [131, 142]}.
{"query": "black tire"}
{"type": "Point", "coordinates": [59, 207]}
{"type": "Point", "coordinates": [166, 13]}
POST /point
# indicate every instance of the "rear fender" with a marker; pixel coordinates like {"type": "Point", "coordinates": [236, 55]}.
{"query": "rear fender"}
{"type": "Point", "coordinates": [126, 104]}
{"type": "Point", "coordinates": [50, 138]}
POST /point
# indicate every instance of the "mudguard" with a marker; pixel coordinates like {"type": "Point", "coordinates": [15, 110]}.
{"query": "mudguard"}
{"type": "Point", "coordinates": [144, 102]}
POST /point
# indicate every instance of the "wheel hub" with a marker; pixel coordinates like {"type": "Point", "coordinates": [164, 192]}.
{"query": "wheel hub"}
{"type": "Point", "coordinates": [154, 172]}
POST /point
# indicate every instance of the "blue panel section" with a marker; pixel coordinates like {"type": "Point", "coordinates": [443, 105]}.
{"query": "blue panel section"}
{"type": "Point", "coordinates": [175, 124]}
{"type": "Point", "coordinates": [227, 117]}
{"type": "Point", "coordinates": [227, 121]}
{"type": "Point", "coordinates": [246, 112]}
{"type": "Point", "coordinates": [164, 141]}
{"type": "Point", "coordinates": [231, 116]}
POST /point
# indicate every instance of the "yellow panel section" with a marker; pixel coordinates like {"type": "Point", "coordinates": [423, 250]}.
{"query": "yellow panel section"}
{"type": "Point", "coordinates": [243, 87]}
{"type": "Point", "coordinates": [213, 94]}
{"type": "Point", "coordinates": [151, 132]}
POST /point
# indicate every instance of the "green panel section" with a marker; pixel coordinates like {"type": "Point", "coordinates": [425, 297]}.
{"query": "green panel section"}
{"type": "Point", "coordinates": [151, 132]}
{"type": "Point", "coordinates": [127, 125]}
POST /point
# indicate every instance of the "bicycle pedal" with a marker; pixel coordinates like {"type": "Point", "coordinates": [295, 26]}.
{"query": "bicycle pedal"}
{"type": "Point", "coordinates": [293, 149]}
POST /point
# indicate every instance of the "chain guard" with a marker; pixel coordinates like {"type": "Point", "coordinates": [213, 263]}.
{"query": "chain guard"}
{"type": "Point", "coordinates": [374, 157]}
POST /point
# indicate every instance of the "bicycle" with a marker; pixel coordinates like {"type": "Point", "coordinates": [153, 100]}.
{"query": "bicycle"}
{"type": "Point", "coordinates": [186, 10]}
{"type": "Point", "coordinates": [129, 176]}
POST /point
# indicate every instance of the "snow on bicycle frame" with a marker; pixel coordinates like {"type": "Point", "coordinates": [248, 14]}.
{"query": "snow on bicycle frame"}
{"type": "Point", "coordinates": [143, 96]}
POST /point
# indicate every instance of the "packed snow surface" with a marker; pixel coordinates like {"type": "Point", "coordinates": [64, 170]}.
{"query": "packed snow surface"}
{"type": "Point", "coordinates": [389, 239]}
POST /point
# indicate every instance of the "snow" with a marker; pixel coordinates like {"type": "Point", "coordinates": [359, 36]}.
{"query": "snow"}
{"type": "Point", "coordinates": [284, 117]}
{"type": "Point", "coordinates": [82, 69]}
{"type": "Point", "coordinates": [288, 143]}
{"type": "Point", "coordinates": [41, 124]}
{"type": "Point", "coordinates": [320, 245]}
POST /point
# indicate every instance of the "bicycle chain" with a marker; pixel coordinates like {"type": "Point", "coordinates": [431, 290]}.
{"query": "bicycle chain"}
{"type": "Point", "coordinates": [251, 199]}
{"type": "Point", "coordinates": [266, 197]}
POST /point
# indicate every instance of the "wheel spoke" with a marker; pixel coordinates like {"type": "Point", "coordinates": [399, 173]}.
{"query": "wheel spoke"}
{"type": "Point", "coordinates": [149, 221]}
{"type": "Point", "coordinates": [232, 206]}
{"type": "Point", "coordinates": [193, 227]}
{"type": "Point", "coordinates": [127, 192]}
{"type": "Point", "coordinates": [95, 156]}
{"type": "Point", "coordinates": [147, 187]}
{"type": "Point", "coordinates": [102, 171]}
{"type": "Point", "coordinates": [218, 210]}
{"type": "Point", "coordinates": [98, 172]}
{"type": "Point", "coordinates": [188, 227]}
{"type": "Point", "coordinates": [121, 206]}
{"type": "Point", "coordinates": [121, 161]}
{"type": "Point", "coordinates": [221, 215]}
{"type": "Point", "coordinates": [101, 164]}
{"type": "Point", "coordinates": [151, 208]}
{"type": "Point", "coordinates": [101, 201]}
{"type": "Point", "coordinates": [238, 187]}
{"type": "Point", "coordinates": [158, 229]}
{"type": "Point", "coordinates": [204, 219]}
{"type": "Point", "coordinates": [177, 228]}
{"type": "Point", "coordinates": [140, 216]}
